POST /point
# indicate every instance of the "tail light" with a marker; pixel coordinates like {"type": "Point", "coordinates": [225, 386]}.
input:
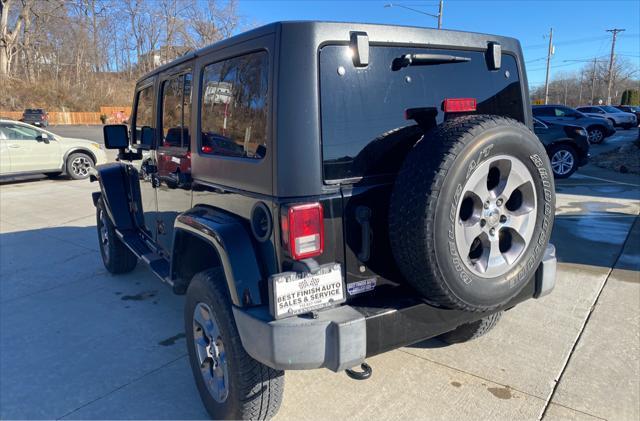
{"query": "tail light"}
{"type": "Point", "coordinates": [207, 149]}
{"type": "Point", "coordinates": [459, 105]}
{"type": "Point", "coordinates": [303, 230]}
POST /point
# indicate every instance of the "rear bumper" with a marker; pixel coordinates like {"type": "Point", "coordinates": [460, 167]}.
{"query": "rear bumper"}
{"type": "Point", "coordinates": [342, 337]}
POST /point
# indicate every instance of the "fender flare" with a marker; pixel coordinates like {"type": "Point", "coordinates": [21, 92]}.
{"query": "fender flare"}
{"type": "Point", "coordinates": [231, 241]}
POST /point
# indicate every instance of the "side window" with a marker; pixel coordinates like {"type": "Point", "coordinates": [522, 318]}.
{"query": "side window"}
{"type": "Point", "coordinates": [559, 112]}
{"type": "Point", "coordinates": [143, 116]}
{"type": "Point", "coordinates": [16, 132]}
{"type": "Point", "coordinates": [543, 111]}
{"type": "Point", "coordinates": [176, 111]}
{"type": "Point", "coordinates": [234, 107]}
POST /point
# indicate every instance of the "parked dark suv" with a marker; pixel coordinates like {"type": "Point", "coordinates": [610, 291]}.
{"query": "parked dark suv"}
{"type": "Point", "coordinates": [348, 189]}
{"type": "Point", "coordinates": [597, 128]}
{"type": "Point", "coordinates": [35, 116]}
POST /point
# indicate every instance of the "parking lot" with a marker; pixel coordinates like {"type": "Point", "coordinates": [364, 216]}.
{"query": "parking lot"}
{"type": "Point", "coordinates": [79, 343]}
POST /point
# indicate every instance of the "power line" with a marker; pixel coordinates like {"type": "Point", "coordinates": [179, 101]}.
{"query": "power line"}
{"type": "Point", "coordinates": [577, 41]}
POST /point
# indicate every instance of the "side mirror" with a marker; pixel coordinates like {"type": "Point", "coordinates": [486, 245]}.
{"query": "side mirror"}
{"type": "Point", "coordinates": [116, 136]}
{"type": "Point", "coordinates": [43, 138]}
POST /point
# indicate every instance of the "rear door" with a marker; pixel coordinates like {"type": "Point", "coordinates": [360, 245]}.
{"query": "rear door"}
{"type": "Point", "coordinates": [173, 187]}
{"type": "Point", "coordinates": [365, 136]}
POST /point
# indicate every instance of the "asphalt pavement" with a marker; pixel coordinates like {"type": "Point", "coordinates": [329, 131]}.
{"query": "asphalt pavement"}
{"type": "Point", "coordinates": [90, 132]}
{"type": "Point", "coordinates": [79, 343]}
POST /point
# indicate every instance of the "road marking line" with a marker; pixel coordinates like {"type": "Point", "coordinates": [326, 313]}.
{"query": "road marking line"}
{"type": "Point", "coordinates": [604, 179]}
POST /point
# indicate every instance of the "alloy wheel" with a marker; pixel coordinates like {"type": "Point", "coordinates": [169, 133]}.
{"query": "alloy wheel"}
{"type": "Point", "coordinates": [562, 162]}
{"type": "Point", "coordinates": [595, 136]}
{"type": "Point", "coordinates": [495, 216]}
{"type": "Point", "coordinates": [80, 166]}
{"type": "Point", "coordinates": [210, 352]}
{"type": "Point", "coordinates": [104, 234]}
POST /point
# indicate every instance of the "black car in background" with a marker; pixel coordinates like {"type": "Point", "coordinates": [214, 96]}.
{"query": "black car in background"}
{"type": "Point", "coordinates": [597, 128]}
{"type": "Point", "coordinates": [633, 109]}
{"type": "Point", "coordinates": [566, 145]}
{"type": "Point", "coordinates": [35, 116]}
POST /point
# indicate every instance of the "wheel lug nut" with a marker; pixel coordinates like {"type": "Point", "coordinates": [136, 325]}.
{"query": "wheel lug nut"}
{"type": "Point", "coordinates": [499, 202]}
{"type": "Point", "coordinates": [492, 231]}
{"type": "Point", "coordinates": [483, 222]}
{"type": "Point", "coordinates": [486, 204]}
{"type": "Point", "coordinates": [503, 218]}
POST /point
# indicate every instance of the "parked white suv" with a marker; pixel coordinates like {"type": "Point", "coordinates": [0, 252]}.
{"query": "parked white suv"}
{"type": "Point", "coordinates": [617, 117]}
{"type": "Point", "coordinates": [25, 149]}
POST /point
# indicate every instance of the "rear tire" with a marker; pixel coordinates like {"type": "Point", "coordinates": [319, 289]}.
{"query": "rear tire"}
{"type": "Point", "coordinates": [240, 387]}
{"type": "Point", "coordinates": [117, 258]}
{"type": "Point", "coordinates": [79, 166]}
{"type": "Point", "coordinates": [470, 331]}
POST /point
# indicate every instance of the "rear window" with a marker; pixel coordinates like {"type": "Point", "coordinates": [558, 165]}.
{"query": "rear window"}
{"type": "Point", "coordinates": [363, 125]}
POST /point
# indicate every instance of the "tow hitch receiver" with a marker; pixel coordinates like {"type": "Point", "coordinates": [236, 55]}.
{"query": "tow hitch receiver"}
{"type": "Point", "coordinates": [360, 375]}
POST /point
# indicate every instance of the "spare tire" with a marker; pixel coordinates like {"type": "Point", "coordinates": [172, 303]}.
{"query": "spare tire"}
{"type": "Point", "coordinates": [471, 212]}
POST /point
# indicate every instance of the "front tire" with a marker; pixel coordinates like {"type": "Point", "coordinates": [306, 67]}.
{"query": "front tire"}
{"type": "Point", "coordinates": [596, 135]}
{"type": "Point", "coordinates": [79, 166]}
{"type": "Point", "coordinates": [564, 160]}
{"type": "Point", "coordinates": [117, 258]}
{"type": "Point", "coordinates": [231, 384]}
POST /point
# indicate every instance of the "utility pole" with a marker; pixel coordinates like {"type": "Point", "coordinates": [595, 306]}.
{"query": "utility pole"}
{"type": "Point", "coordinates": [546, 80]}
{"type": "Point", "coordinates": [593, 79]}
{"type": "Point", "coordinates": [580, 94]}
{"type": "Point", "coordinates": [440, 14]}
{"type": "Point", "coordinates": [613, 46]}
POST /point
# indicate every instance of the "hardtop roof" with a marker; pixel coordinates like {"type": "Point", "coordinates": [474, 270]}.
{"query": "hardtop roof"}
{"type": "Point", "coordinates": [319, 26]}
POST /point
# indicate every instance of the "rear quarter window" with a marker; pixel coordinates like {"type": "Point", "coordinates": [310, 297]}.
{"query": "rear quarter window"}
{"type": "Point", "coordinates": [234, 107]}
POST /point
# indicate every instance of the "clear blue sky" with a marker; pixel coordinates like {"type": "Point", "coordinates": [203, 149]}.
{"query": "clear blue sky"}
{"type": "Point", "coordinates": [579, 26]}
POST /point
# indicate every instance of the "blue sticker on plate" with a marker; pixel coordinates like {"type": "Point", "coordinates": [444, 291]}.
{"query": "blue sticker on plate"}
{"type": "Point", "coordinates": [359, 287]}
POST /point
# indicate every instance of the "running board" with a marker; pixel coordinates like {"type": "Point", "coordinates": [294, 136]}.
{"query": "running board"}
{"type": "Point", "coordinates": [158, 264]}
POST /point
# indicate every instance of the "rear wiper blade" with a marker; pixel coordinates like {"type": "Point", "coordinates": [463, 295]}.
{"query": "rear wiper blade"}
{"type": "Point", "coordinates": [427, 59]}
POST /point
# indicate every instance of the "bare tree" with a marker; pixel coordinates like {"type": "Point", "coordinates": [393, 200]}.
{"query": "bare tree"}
{"type": "Point", "coordinates": [80, 54]}
{"type": "Point", "coordinates": [10, 28]}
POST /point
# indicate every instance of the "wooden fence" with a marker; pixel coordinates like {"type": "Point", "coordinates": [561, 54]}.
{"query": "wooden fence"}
{"type": "Point", "coordinates": [114, 115]}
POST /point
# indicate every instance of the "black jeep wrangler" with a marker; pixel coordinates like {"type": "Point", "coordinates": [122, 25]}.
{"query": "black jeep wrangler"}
{"type": "Point", "coordinates": [325, 192]}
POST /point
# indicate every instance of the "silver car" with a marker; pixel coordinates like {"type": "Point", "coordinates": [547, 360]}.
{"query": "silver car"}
{"type": "Point", "coordinates": [617, 117]}
{"type": "Point", "coordinates": [25, 149]}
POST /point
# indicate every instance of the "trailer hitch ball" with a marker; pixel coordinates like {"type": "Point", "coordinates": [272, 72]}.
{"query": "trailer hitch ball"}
{"type": "Point", "coordinates": [360, 375]}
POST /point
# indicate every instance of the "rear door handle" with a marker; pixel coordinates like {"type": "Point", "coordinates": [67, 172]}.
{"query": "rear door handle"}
{"type": "Point", "coordinates": [14, 146]}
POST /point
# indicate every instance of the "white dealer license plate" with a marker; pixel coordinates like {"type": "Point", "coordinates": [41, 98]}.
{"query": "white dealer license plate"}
{"type": "Point", "coordinates": [297, 293]}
